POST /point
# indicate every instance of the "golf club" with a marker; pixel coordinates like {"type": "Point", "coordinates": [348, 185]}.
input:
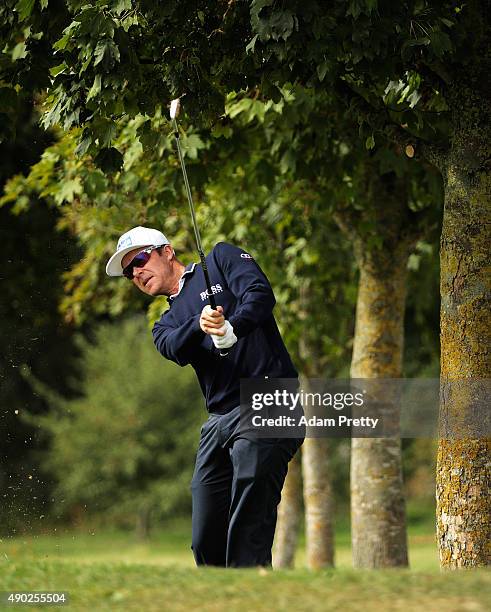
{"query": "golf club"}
{"type": "Point", "coordinates": [175, 107]}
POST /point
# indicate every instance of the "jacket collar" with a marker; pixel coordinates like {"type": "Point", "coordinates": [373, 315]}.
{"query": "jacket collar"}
{"type": "Point", "coordinates": [187, 272]}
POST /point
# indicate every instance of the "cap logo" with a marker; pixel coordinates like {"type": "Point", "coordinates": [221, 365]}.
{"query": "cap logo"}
{"type": "Point", "coordinates": [124, 242]}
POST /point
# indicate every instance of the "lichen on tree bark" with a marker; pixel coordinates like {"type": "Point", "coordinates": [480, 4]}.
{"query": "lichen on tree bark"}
{"type": "Point", "coordinates": [463, 465]}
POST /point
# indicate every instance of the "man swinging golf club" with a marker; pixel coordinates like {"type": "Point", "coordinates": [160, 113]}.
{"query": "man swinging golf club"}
{"type": "Point", "coordinates": [238, 478]}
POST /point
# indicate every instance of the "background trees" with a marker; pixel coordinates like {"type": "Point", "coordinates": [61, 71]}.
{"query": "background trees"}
{"type": "Point", "coordinates": [121, 448]}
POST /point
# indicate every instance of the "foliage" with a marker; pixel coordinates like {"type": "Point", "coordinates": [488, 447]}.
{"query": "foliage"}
{"type": "Point", "coordinates": [34, 255]}
{"type": "Point", "coordinates": [269, 181]}
{"type": "Point", "coordinates": [392, 63]}
{"type": "Point", "coordinates": [422, 328]}
{"type": "Point", "coordinates": [126, 445]}
{"type": "Point", "coordinates": [97, 209]}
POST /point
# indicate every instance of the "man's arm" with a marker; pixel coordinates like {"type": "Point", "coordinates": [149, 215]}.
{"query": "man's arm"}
{"type": "Point", "coordinates": [255, 298]}
{"type": "Point", "coordinates": [177, 343]}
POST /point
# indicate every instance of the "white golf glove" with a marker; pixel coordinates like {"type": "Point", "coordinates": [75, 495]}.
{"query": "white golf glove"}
{"type": "Point", "coordinates": [226, 341]}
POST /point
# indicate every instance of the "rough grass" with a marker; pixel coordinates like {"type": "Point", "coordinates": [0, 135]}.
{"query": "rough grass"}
{"type": "Point", "coordinates": [112, 571]}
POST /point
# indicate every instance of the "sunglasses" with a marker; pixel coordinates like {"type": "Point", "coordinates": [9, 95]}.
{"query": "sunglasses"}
{"type": "Point", "coordinates": [139, 260]}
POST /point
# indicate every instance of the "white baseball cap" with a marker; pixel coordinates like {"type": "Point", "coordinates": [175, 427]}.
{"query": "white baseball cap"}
{"type": "Point", "coordinates": [134, 238]}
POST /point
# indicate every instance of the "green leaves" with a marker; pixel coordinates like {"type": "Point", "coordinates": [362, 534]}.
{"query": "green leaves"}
{"type": "Point", "coordinates": [68, 35]}
{"type": "Point", "coordinates": [405, 91]}
{"type": "Point", "coordinates": [360, 7]}
{"type": "Point", "coordinates": [96, 87]}
{"type": "Point", "coordinates": [412, 45]}
{"type": "Point", "coordinates": [191, 145]}
{"type": "Point", "coordinates": [24, 8]}
{"type": "Point", "coordinates": [220, 129]}
{"type": "Point", "coordinates": [19, 51]}
{"type": "Point", "coordinates": [107, 53]}
{"type": "Point", "coordinates": [322, 70]}
{"type": "Point", "coordinates": [440, 43]}
{"type": "Point", "coordinates": [68, 189]}
{"type": "Point", "coordinates": [251, 45]}
{"type": "Point", "coordinates": [370, 142]}
{"type": "Point", "coordinates": [94, 184]}
{"type": "Point", "coordinates": [84, 143]}
{"type": "Point", "coordinates": [275, 24]}
{"type": "Point", "coordinates": [120, 6]}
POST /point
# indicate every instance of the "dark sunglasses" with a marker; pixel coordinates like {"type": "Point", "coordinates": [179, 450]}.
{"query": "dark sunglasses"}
{"type": "Point", "coordinates": [139, 260]}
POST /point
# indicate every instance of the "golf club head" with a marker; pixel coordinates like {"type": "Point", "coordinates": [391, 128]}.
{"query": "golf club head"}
{"type": "Point", "coordinates": [175, 107]}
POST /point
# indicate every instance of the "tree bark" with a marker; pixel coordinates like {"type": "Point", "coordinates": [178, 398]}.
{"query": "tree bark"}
{"type": "Point", "coordinates": [289, 512]}
{"type": "Point", "coordinates": [378, 524]}
{"type": "Point", "coordinates": [316, 471]}
{"type": "Point", "coordinates": [463, 479]}
{"type": "Point", "coordinates": [142, 523]}
{"type": "Point", "coordinates": [317, 488]}
{"type": "Point", "coordinates": [318, 501]}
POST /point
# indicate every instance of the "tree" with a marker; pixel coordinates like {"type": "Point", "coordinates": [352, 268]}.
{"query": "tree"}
{"type": "Point", "coordinates": [35, 255]}
{"type": "Point", "coordinates": [123, 449]}
{"type": "Point", "coordinates": [289, 516]}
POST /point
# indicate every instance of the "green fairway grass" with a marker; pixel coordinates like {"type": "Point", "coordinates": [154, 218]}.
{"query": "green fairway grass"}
{"type": "Point", "coordinates": [105, 586]}
{"type": "Point", "coordinates": [111, 570]}
{"type": "Point", "coordinates": [171, 546]}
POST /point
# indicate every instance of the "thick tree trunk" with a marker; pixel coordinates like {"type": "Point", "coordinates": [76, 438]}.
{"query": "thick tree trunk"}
{"type": "Point", "coordinates": [463, 478]}
{"type": "Point", "coordinates": [378, 524]}
{"type": "Point", "coordinates": [289, 512]}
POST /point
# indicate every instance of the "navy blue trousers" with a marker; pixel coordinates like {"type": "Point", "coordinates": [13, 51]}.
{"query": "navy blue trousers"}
{"type": "Point", "coordinates": [236, 488]}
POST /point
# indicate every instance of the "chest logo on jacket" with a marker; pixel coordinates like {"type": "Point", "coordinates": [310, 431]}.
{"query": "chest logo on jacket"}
{"type": "Point", "coordinates": [214, 288]}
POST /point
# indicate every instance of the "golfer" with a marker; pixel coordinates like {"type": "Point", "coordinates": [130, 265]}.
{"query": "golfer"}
{"type": "Point", "coordinates": [237, 481]}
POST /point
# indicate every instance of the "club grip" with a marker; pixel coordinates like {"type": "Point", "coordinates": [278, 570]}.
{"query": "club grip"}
{"type": "Point", "coordinates": [212, 300]}
{"type": "Point", "coordinates": [209, 292]}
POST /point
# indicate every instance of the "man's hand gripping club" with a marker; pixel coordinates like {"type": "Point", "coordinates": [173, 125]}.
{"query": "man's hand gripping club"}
{"type": "Point", "coordinates": [213, 323]}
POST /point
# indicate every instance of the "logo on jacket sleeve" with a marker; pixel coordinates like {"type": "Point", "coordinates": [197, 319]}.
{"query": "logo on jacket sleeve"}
{"type": "Point", "coordinates": [246, 256]}
{"type": "Point", "coordinates": [214, 289]}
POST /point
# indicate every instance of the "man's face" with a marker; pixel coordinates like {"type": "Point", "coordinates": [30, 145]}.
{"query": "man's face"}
{"type": "Point", "coordinates": [156, 276]}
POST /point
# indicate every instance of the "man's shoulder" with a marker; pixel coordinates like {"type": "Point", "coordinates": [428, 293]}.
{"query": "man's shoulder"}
{"type": "Point", "coordinates": [225, 249]}
{"type": "Point", "coordinates": [223, 246]}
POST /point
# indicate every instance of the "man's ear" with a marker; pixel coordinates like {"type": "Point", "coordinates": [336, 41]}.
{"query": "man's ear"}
{"type": "Point", "coordinates": [169, 251]}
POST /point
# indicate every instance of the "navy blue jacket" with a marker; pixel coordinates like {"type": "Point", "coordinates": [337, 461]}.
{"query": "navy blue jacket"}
{"type": "Point", "coordinates": [243, 290]}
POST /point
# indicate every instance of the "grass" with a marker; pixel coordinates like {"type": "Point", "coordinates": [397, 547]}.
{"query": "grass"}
{"type": "Point", "coordinates": [112, 571]}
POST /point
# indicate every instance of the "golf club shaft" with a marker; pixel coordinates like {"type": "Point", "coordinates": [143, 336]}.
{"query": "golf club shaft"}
{"type": "Point", "coordinates": [210, 294]}
{"type": "Point", "coordinates": [197, 235]}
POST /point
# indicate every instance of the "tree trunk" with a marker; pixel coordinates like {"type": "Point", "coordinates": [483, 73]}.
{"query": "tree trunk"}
{"type": "Point", "coordinates": [316, 472]}
{"type": "Point", "coordinates": [142, 525]}
{"type": "Point", "coordinates": [378, 524]}
{"type": "Point", "coordinates": [289, 512]}
{"type": "Point", "coordinates": [318, 501]}
{"type": "Point", "coordinates": [463, 482]}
